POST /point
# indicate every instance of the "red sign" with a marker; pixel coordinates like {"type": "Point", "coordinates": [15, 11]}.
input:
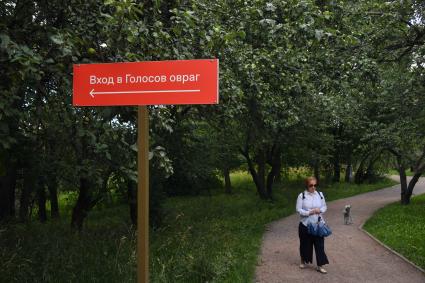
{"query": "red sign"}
{"type": "Point", "coordinates": [146, 83]}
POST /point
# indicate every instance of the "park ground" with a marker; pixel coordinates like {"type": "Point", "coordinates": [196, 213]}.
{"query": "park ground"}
{"type": "Point", "coordinates": [206, 238]}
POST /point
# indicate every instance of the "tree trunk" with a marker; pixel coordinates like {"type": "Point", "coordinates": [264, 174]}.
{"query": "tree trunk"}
{"type": "Point", "coordinates": [276, 165]}
{"type": "Point", "coordinates": [359, 176]}
{"type": "Point", "coordinates": [104, 193]}
{"type": "Point", "coordinates": [337, 172]}
{"type": "Point", "coordinates": [406, 191]}
{"type": "Point", "coordinates": [349, 173]}
{"type": "Point", "coordinates": [258, 178]}
{"type": "Point", "coordinates": [317, 170]}
{"type": "Point", "coordinates": [27, 188]}
{"type": "Point", "coordinates": [336, 166]}
{"type": "Point", "coordinates": [271, 177]}
{"type": "Point", "coordinates": [370, 173]}
{"type": "Point", "coordinates": [5, 205]}
{"type": "Point", "coordinates": [227, 182]}
{"type": "Point", "coordinates": [261, 171]}
{"type": "Point", "coordinates": [132, 201]}
{"type": "Point", "coordinates": [349, 170]}
{"type": "Point", "coordinates": [403, 183]}
{"type": "Point", "coordinates": [260, 183]}
{"type": "Point", "coordinates": [41, 201]}
{"type": "Point", "coordinates": [12, 191]}
{"type": "Point", "coordinates": [7, 191]}
{"type": "Point", "coordinates": [337, 133]}
{"type": "Point", "coordinates": [328, 173]}
{"type": "Point", "coordinates": [82, 206]}
{"type": "Point", "coordinates": [411, 185]}
{"type": "Point", "coordinates": [52, 186]}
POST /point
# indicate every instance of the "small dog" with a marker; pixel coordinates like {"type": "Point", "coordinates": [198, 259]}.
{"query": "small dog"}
{"type": "Point", "coordinates": [347, 215]}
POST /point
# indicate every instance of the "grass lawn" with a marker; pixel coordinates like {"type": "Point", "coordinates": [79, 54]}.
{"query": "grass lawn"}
{"type": "Point", "coordinates": [402, 227]}
{"type": "Point", "coordinates": [50, 252]}
{"type": "Point", "coordinates": [217, 238]}
{"type": "Point", "coordinates": [395, 172]}
{"type": "Point", "coordinates": [206, 238]}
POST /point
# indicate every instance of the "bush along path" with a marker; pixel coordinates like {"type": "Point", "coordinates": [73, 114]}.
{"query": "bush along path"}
{"type": "Point", "coordinates": [352, 254]}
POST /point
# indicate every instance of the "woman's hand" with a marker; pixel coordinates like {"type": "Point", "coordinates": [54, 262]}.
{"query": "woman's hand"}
{"type": "Point", "coordinates": [315, 211]}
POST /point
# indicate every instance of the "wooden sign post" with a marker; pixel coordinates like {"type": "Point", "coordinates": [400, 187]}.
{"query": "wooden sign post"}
{"type": "Point", "coordinates": [145, 83]}
{"type": "Point", "coordinates": [143, 195]}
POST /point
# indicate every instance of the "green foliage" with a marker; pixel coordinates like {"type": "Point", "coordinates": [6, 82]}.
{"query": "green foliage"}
{"type": "Point", "coordinates": [315, 80]}
{"type": "Point", "coordinates": [401, 228]}
{"type": "Point", "coordinates": [193, 155]}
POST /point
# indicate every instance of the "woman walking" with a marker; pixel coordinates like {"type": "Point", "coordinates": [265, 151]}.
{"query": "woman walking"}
{"type": "Point", "coordinates": [311, 205]}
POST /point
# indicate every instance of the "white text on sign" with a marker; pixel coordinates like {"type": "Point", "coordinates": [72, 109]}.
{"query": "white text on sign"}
{"type": "Point", "coordinates": [134, 79]}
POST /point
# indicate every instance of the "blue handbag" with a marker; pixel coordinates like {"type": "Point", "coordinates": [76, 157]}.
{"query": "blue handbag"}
{"type": "Point", "coordinates": [319, 229]}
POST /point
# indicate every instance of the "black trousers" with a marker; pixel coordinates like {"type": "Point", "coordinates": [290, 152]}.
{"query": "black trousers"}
{"type": "Point", "coordinates": [307, 242]}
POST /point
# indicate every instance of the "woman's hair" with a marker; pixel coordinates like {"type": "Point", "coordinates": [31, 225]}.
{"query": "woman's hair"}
{"type": "Point", "coordinates": [308, 180]}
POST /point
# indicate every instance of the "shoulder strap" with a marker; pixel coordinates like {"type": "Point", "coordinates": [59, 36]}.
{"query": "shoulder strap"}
{"type": "Point", "coordinates": [320, 194]}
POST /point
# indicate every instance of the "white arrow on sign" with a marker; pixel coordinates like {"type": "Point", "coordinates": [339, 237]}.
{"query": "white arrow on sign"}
{"type": "Point", "coordinates": [92, 92]}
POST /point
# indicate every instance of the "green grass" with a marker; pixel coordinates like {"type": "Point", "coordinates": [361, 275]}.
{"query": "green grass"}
{"type": "Point", "coordinates": [395, 172]}
{"type": "Point", "coordinates": [343, 190]}
{"type": "Point", "coordinates": [203, 239]}
{"type": "Point", "coordinates": [402, 227]}
{"type": "Point", "coordinates": [217, 239]}
{"type": "Point", "coordinates": [50, 252]}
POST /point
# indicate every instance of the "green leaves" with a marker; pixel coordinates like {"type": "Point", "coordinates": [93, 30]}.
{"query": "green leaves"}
{"type": "Point", "coordinates": [287, 68]}
{"type": "Point", "coordinates": [57, 39]}
{"type": "Point", "coordinates": [234, 35]}
{"type": "Point", "coordinates": [327, 15]}
{"type": "Point", "coordinates": [4, 41]}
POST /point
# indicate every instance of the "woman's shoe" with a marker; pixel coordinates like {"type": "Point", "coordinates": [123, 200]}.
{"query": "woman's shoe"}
{"type": "Point", "coordinates": [302, 265]}
{"type": "Point", "coordinates": [321, 270]}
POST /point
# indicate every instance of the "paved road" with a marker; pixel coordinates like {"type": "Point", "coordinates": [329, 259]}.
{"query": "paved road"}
{"type": "Point", "coordinates": [353, 255]}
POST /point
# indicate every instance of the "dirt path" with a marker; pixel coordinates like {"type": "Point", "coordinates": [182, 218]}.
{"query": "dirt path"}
{"type": "Point", "coordinates": [353, 255]}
